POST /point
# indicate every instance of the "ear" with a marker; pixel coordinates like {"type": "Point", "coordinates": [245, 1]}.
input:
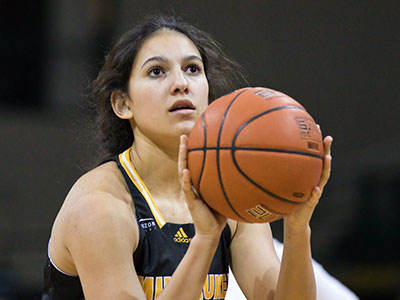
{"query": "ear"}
{"type": "Point", "coordinates": [122, 104]}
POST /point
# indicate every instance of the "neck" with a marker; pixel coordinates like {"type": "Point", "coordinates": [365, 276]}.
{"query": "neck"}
{"type": "Point", "coordinates": [158, 167]}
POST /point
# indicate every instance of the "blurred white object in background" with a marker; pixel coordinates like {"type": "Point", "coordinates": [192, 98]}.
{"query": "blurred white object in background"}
{"type": "Point", "coordinates": [328, 287]}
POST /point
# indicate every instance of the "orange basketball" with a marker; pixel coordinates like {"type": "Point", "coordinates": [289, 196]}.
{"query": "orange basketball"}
{"type": "Point", "coordinates": [255, 155]}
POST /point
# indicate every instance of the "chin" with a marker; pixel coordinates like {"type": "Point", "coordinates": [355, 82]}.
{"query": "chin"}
{"type": "Point", "coordinates": [186, 132]}
{"type": "Point", "coordinates": [186, 129]}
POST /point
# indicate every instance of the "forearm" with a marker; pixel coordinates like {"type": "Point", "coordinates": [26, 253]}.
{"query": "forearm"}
{"type": "Point", "coordinates": [296, 276]}
{"type": "Point", "coordinates": [192, 271]}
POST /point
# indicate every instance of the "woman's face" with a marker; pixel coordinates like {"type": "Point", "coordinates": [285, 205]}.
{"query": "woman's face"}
{"type": "Point", "coordinates": [168, 87]}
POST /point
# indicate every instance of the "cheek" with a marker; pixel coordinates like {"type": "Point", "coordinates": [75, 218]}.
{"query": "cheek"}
{"type": "Point", "coordinates": [202, 90]}
{"type": "Point", "coordinates": [144, 97]}
{"type": "Point", "coordinates": [205, 95]}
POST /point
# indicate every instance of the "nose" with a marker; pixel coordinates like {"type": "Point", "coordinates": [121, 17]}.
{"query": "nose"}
{"type": "Point", "coordinates": [179, 83]}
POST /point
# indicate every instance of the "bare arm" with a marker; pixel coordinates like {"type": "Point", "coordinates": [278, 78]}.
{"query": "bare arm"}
{"type": "Point", "coordinates": [101, 238]}
{"type": "Point", "coordinates": [101, 234]}
{"type": "Point", "coordinates": [254, 261]}
{"type": "Point", "coordinates": [257, 274]}
{"type": "Point", "coordinates": [102, 244]}
{"type": "Point", "coordinates": [296, 278]}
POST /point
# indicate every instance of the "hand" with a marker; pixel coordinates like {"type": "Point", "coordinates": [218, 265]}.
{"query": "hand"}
{"type": "Point", "coordinates": [208, 223]}
{"type": "Point", "coordinates": [301, 216]}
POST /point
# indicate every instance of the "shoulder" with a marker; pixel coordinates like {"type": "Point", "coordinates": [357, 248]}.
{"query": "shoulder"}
{"type": "Point", "coordinates": [102, 190]}
{"type": "Point", "coordinates": [98, 194]}
{"type": "Point", "coordinates": [105, 179]}
{"type": "Point", "coordinates": [98, 208]}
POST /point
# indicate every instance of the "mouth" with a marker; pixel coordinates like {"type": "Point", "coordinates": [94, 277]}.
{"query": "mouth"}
{"type": "Point", "coordinates": [182, 105]}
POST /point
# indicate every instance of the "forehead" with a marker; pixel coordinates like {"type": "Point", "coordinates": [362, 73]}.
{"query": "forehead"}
{"type": "Point", "coordinates": [167, 43]}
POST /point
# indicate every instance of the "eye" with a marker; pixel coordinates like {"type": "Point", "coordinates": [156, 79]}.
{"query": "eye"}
{"type": "Point", "coordinates": [155, 72]}
{"type": "Point", "coordinates": [193, 69]}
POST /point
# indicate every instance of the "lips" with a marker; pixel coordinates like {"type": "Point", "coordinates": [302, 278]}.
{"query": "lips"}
{"type": "Point", "coordinates": [181, 105]}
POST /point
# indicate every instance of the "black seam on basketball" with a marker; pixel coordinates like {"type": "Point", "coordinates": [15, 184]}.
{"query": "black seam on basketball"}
{"type": "Point", "coordinates": [234, 148]}
{"type": "Point", "coordinates": [259, 186]}
{"type": "Point", "coordinates": [260, 115]}
{"type": "Point", "coordinates": [217, 154]}
{"type": "Point", "coordinates": [204, 151]}
{"type": "Point", "coordinates": [259, 149]}
{"type": "Point", "coordinates": [278, 151]}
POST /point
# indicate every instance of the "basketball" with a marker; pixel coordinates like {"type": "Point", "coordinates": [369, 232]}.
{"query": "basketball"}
{"type": "Point", "coordinates": [255, 155]}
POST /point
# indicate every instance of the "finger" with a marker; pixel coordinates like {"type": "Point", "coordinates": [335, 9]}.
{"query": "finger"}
{"type": "Point", "coordinates": [182, 158]}
{"type": "Point", "coordinates": [319, 128]}
{"type": "Point", "coordinates": [196, 193]}
{"type": "Point", "coordinates": [314, 199]}
{"type": "Point", "coordinates": [326, 170]}
{"type": "Point", "coordinates": [187, 187]}
{"type": "Point", "coordinates": [328, 144]}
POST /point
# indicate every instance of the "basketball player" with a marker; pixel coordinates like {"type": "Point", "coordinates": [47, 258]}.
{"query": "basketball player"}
{"type": "Point", "coordinates": [132, 228]}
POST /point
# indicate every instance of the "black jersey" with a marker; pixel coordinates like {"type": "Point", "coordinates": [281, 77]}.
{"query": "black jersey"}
{"type": "Point", "coordinates": [161, 247]}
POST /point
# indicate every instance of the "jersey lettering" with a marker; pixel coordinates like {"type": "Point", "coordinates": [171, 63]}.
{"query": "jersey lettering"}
{"type": "Point", "coordinates": [215, 286]}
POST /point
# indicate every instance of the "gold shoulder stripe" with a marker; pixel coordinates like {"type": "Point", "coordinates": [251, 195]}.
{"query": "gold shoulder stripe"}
{"type": "Point", "coordinates": [137, 181]}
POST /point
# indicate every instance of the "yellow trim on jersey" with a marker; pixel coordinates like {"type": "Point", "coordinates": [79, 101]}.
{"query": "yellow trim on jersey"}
{"type": "Point", "coordinates": [126, 163]}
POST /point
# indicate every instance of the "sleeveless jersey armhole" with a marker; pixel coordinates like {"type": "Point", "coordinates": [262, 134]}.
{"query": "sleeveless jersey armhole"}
{"type": "Point", "coordinates": [54, 265]}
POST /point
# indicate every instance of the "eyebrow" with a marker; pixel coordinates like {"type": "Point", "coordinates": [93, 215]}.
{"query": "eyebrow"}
{"type": "Point", "coordinates": [163, 59]}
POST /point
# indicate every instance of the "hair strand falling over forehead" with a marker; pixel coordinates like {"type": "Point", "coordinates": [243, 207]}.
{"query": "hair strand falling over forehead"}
{"type": "Point", "coordinates": [113, 135]}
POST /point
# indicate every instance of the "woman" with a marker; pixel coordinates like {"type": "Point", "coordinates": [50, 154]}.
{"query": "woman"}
{"type": "Point", "coordinates": [132, 228]}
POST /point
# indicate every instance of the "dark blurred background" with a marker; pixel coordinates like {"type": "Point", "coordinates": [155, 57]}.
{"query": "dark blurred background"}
{"type": "Point", "coordinates": [340, 59]}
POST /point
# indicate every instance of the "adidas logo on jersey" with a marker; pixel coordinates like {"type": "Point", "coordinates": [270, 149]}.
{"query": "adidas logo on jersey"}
{"type": "Point", "coordinates": [181, 237]}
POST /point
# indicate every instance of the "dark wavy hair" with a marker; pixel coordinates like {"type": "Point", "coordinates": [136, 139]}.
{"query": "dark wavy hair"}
{"type": "Point", "coordinates": [112, 134]}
